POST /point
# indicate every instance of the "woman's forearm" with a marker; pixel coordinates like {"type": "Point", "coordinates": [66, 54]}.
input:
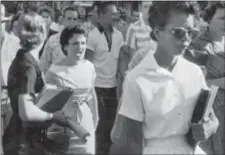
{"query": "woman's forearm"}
{"type": "Point", "coordinates": [126, 136]}
{"type": "Point", "coordinates": [220, 82]}
{"type": "Point", "coordinates": [93, 105]}
{"type": "Point", "coordinates": [30, 112]}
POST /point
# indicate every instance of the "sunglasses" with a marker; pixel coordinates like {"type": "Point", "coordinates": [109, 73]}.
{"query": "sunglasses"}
{"type": "Point", "coordinates": [180, 32]}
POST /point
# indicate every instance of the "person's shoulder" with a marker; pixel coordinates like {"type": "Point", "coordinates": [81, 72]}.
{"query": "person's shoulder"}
{"type": "Point", "coordinates": [94, 31]}
{"type": "Point", "coordinates": [117, 32]}
{"type": "Point", "coordinates": [134, 73]}
{"type": "Point", "coordinates": [189, 66]}
{"type": "Point", "coordinates": [88, 63]}
{"type": "Point", "coordinates": [139, 56]}
{"type": "Point", "coordinates": [137, 24]}
{"type": "Point", "coordinates": [21, 65]}
{"type": "Point", "coordinates": [52, 32]}
{"type": "Point", "coordinates": [55, 36]}
{"type": "Point", "coordinates": [131, 26]}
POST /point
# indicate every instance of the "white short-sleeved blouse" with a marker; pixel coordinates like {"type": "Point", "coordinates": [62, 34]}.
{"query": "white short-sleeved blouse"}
{"type": "Point", "coordinates": [162, 100]}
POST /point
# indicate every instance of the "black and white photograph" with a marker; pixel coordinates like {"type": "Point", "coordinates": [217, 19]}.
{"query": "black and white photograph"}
{"type": "Point", "coordinates": [112, 77]}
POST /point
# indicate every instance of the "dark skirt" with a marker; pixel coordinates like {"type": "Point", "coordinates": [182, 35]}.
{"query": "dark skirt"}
{"type": "Point", "coordinates": [15, 139]}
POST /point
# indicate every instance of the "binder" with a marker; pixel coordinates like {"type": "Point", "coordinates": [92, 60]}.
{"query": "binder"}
{"type": "Point", "coordinates": [202, 110]}
{"type": "Point", "coordinates": [53, 98]}
{"type": "Point", "coordinates": [204, 104]}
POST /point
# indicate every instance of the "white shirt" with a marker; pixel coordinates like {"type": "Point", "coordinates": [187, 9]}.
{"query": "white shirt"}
{"type": "Point", "coordinates": [162, 100]}
{"type": "Point", "coordinates": [105, 61]}
{"type": "Point", "coordinates": [52, 52]}
{"type": "Point", "coordinates": [10, 46]}
{"type": "Point", "coordinates": [138, 35]}
{"type": "Point", "coordinates": [139, 56]}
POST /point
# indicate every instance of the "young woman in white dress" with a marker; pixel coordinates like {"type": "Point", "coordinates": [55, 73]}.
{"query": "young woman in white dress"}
{"type": "Point", "coordinates": [159, 95]}
{"type": "Point", "coordinates": [78, 74]}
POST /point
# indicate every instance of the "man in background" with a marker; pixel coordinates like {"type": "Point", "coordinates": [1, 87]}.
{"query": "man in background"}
{"type": "Point", "coordinates": [52, 50]}
{"type": "Point", "coordinates": [103, 49]}
{"type": "Point", "coordinates": [138, 34]}
{"type": "Point", "coordinates": [48, 14]}
{"type": "Point", "coordinates": [3, 92]}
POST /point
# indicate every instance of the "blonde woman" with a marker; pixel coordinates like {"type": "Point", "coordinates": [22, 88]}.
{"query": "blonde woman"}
{"type": "Point", "coordinates": [26, 131]}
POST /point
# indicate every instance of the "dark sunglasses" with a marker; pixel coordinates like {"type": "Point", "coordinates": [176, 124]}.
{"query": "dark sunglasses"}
{"type": "Point", "coordinates": [180, 32]}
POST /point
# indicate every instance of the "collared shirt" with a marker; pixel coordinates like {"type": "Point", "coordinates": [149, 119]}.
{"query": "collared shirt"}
{"type": "Point", "coordinates": [140, 55]}
{"type": "Point", "coordinates": [123, 26]}
{"type": "Point", "coordinates": [52, 53]}
{"type": "Point", "coordinates": [10, 46]}
{"type": "Point", "coordinates": [108, 36]}
{"type": "Point", "coordinates": [105, 59]}
{"type": "Point", "coordinates": [87, 26]}
{"type": "Point", "coordinates": [162, 100]}
{"type": "Point", "coordinates": [138, 35]}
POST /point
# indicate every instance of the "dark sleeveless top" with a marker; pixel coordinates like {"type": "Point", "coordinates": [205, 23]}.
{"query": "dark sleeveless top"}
{"type": "Point", "coordinates": [24, 77]}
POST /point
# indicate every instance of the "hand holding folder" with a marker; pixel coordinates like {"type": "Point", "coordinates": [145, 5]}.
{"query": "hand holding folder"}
{"type": "Point", "coordinates": [52, 99]}
{"type": "Point", "coordinates": [202, 117]}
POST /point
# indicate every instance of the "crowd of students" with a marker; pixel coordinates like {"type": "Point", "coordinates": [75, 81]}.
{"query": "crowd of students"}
{"type": "Point", "coordinates": [135, 82]}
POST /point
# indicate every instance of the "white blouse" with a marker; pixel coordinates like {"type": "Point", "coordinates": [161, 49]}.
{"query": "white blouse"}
{"type": "Point", "coordinates": [162, 100]}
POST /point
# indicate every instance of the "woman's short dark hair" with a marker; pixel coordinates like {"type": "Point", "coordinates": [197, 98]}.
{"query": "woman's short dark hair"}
{"type": "Point", "coordinates": [159, 12]}
{"type": "Point", "coordinates": [210, 12]}
{"type": "Point", "coordinates": [31, 30]}
{"type": "Point", "coordinates": [68, 33]}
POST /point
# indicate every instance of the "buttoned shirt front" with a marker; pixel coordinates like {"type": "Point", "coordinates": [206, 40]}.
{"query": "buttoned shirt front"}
{"type": "Point", "coordinates": [10, 46]}
{"type": "Point", "coordinates": [52, 52]}
{"type": "Point", "coordinates": [162, 100]}
{"type": "Point", "coordinates": [105, 59]}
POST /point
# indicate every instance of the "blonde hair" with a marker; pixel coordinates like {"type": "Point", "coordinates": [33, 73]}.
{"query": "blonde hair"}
{"type": "Point", "coordinates": [31, 30]}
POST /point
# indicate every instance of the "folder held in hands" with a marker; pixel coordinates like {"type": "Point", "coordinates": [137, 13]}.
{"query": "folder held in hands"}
{"type": "Point", "coordinates": [204, 104]}
{"type": "Point", "coordinates": [53, 98]}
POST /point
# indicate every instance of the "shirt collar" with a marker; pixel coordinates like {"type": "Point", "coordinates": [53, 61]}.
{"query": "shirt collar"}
{"type": "Point", "coordinates": [102, 29]}
{"type": "Point", "coordinates": [153, 65]}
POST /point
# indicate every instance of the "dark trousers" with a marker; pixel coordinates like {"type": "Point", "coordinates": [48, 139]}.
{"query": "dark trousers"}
{"type": "Point", "coordinates": [107, 107]}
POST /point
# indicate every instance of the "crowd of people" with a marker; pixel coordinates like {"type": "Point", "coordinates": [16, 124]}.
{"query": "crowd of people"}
{"type": "Point", "coordinates": [135, 80]}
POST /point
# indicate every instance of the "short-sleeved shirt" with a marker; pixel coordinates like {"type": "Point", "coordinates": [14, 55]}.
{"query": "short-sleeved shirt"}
{"type": "Point", "coordinates": [138, 35]}
{"type": "Point", "coordinates": [52, 52]}
{"type": "Point", "coordinates": [24, 77]}
{"type": "Point", "coordinates": [10, 46]}
{"type": "Point", "coordinates": [105, 59]}
{"type": "Point", "coordinates": [164, 101]}
{"type": "Point", "coordinates": [139, 56]}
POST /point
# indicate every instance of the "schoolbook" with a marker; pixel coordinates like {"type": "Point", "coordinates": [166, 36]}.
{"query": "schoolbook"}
{"type": "Point", "coordinates": [53, 98]}
{"type": "Point", "coordinates": [204, 104]}
{"type": "Point", "coordinates": [202, 110]}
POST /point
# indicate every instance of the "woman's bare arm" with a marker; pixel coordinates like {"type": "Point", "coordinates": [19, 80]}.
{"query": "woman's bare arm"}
{"type": "Point", "coordinates": [126, 136]}
{"type": "Point", "coordinates": [30, 112]}
{"type": "Point", "coordinates": [93, 105]}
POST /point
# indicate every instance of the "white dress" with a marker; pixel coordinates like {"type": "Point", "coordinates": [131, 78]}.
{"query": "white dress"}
{"type": "Point", "coordinates": [164, 102]}
{"type": "Point", "coordinates": [81, 79]}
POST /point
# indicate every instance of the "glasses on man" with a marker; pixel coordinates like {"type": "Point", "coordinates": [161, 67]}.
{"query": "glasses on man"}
{"type": "Point", "coordinates": [180, 32]}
